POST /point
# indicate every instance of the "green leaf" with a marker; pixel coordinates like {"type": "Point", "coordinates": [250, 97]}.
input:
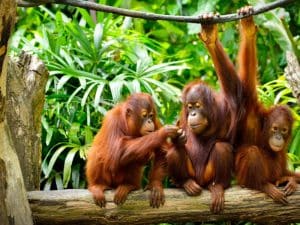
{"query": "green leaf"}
{"type": "Point", "coordinates": [58, 182]}
{"type": "Point", "coordinates": [76, 176]}
{"type": "Point", "coordinates": [163, 68]}
{"type": "Point", "coordinates": [82, 39]}
{"type": "Point", "coordinates": [58, 58]}
{"type": "Point", "coordinates": [295, 145]}
{"type": "Point", "coordinates": [54, 158]}
{"type": "Point", "coordinates": [98, 34]}
{"type": "Point", "coordinates": [87, 93]}
{"type": "Point", "coordinates": [116, 89]}
{"type": "Point", "coordinates": [150, 90]}
{"type": "Point", "coordinates": [48, 183]}
{"type": "Point", "coordinates": [62, 81]}
{"type": "Point", "coordinates": [281, 94]}
{"type": "Point", "coordinates": [169, 91]}
{"type": "Point", "coordinates": [73, 133]}
{"type": "Point", "coordinates": [66, 56]}
{"type": "Point", "coordinates": [86, 16]}
{"type": "Point", "coordinates": [89, 136]}
{"type": "Point", "coordinates": [280, 35]}
{"type": "Point", "coordinates": [133, 86]}
{"type": "Point", "coordinates": [98, 94]}
{"type": "Point", "coordinates": [88, 115]}
{"type": "Point", "coordinates": [49, 136]}
{"type": "Point", "coordinates": [68, 166]}
{"type": "Point", "coordinates": [82, 74]}
{"type": "Point", "coordinates": [45, 124]}
{"type": "Point", "coordinates": [204, 6]}
{"type": "Point", "coordinates": [171, 28]}
{"type": "Point", "coordinates": [49, 130]}
{"type": "Point", "coordinates": [83, 153]}
{"type": "Point", "coordinates": [74, 94]}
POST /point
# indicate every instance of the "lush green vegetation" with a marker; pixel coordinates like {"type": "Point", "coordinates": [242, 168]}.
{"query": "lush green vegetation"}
{"type": "Point", "coordinates": [95, 64]}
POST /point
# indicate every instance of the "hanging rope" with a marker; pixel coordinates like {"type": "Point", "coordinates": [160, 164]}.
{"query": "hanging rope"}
{"type": "Point", "coordinates": [153, 16]}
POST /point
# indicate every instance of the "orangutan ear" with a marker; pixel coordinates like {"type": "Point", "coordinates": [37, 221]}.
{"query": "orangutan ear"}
{"type": "Point", "coordinates": [128, 112]}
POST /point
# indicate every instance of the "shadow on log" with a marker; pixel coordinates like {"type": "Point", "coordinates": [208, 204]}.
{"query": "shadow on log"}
{"type": "Point", "coordinates": [77, 207]}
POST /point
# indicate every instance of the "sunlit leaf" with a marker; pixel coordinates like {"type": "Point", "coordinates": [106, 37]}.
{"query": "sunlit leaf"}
{"type": "Point", "coordinates": [58, 182]}
{"type": "Point", "coordinates": [80, 36]}
{"type": "Point", "coordinates": [62, 81]}
{"type": "Point", "coordinates": [116, 89]}
{"type": "Point", "coordinates": [49, 136]}
{"type": "Point", "coordinates": [88, 135]}
{"type": "Point", "coordinates": [98, 94]}
{"type": "Point", "coordinates": [98, 34]}
{"type": "Point", "coordinates": [77, 90]}
{"type": "Point", "coordinates": [54, 158]}
{"type": "Point", "coordinates": [48, 183]}
{"type": "Point", "coordinates": [68, 165]}
{"type": "Point", "coordinates": [204, 6]}
{"type": "Point", "coordinates": [86, 16]}
{"type": "Point", "coordinates": [133, 86]}
{"type": "Point", "coordinates": [150, 90]}
{"type": "Point", "coordinates": [66, 56]}
{"type": "Point", "coordinates": [87, 93]}
{"type": "Point", "coordinates": [73, 133]}
{"type": "Point", "coordinates": [171, 28]}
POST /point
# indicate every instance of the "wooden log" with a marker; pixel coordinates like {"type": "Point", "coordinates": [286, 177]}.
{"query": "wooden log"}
{"type": "Point", "coordinates": [76, 207]}
{"type": "Point", "coordinates": [14, 207]}
{"type": "Point", "coordinates": [26, 81]}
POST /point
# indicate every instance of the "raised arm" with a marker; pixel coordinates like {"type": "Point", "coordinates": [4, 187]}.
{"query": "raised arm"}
{"type": "Point", "coordinates": [247, 60]}
{"type": "Point", "coordinates": [224, 67]}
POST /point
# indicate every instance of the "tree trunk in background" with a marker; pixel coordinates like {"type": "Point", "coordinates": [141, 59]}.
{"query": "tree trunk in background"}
{"type": "Point", "coordinates": [292, 74]}
{"type": "Point", "coordinates": [14, 207]}
{"type": "Point", "coordinates": [26, 81]}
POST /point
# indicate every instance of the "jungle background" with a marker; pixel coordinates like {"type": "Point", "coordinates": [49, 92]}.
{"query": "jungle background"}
{"type": "Point", "coordinates": [96, 59]}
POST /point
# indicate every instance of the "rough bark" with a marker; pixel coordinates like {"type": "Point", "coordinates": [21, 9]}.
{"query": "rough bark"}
{"type": "Point", "coordinates": [26, 81]}
{"type": "Point", "coordinates": [292, 74]}
{"type": "Point", "coordinates": [14, 207]}
{"type": "Point", "coordinates": [76, 207]}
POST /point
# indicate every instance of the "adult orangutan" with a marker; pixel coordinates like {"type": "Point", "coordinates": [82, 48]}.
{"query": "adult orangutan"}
{"type": "Point", "coordinates": [130, 135]}
{"type": "Point", "coordinates": [263, 133]}
{"type": "Point", "coordinates": [209, 120]}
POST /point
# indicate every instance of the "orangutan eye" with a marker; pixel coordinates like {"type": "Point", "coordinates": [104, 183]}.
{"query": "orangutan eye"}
{"type": "Point", "coordinates": [144, 114]}
{"type": "Point", "coordinates": [190, 106]}
{"type": "Point", "coordinates": [284, 130]}
{"type": "Point", "coordinates": [274, 128]}
{"type": "Point", "coordinates": [151, 115]}
{"type": "Point", "coordinates": [198, 104]}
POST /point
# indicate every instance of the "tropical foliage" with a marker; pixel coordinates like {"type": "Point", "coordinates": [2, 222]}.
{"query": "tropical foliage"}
{"type": "Point", "coordinates": [95, 62]}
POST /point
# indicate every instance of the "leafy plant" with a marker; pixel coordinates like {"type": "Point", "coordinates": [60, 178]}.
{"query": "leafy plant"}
{"type": "Point", "coordinates": [92, 66]}
{"type": "Point", "coordinates": [95, 62]}
{"type": "Point", "coordinates": [277, 92]}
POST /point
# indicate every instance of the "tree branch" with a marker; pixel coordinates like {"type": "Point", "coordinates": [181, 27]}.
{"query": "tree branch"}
{"type": "Point", "coordinates": [77, 207]}
{"type": "Point", "coordinates": [153, 16]}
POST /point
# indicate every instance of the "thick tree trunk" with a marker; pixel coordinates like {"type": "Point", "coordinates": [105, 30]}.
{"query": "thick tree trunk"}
{"type": "Point", "coordinates": [76, 207]}
{"type": "Point", "coordinates": [26, 81]}
{"type": "Point", "coordinates": [14, 207]}
{"type": "Point", "coordinates": [292, 74]}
